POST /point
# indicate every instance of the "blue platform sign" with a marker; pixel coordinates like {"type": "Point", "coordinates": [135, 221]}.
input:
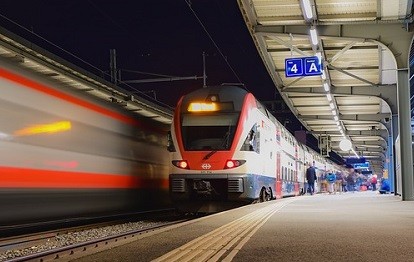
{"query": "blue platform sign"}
{"type": "Point", "coordinates": [361, 165]}
{"type": "Point", "coordinates": [355, 160]}
{"type": "Point", "coordinates": [303, 66]}
{"type": "Point", "coordinates": [294, 67]}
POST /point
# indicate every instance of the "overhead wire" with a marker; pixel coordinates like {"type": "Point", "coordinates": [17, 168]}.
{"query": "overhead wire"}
{"type": "Point", "coordinates": [188, 2]}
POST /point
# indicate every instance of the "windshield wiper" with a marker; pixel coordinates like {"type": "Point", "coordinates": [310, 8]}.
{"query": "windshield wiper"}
{"type": "Point", "coordinates": [225, 144]}
{"type": "Point", "coordinates": [226, 138]}
{"type": "Point", "coordinates": [209, 155]}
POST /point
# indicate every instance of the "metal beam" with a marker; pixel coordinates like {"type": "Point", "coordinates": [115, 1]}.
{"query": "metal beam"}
{"type": "Point", "coordinates": [338, 18]}
{"type": "Point", "coordinates": [379, 155]}
{"type": "Point", "coordinates": [291, 83]}
{"type": "Point", "coordinates": [248, 9]}
{"type": "Point", "coordinates": [373, 150]}
{"type": "Point", "coordinates": [330, 66]}
{"type": "Point", "coordinates": [388, 93]}
{"type": "Point", "coordinates": [266, 57]}
{"type": "Point", "coordinates": [289, 45]}
{"type": "Point", "coordinates": [382, 133]}
{"type": "Point", "coordinates": [353, 133]}
{"type": "Point", "coordinates": [368, 144]}
{"type": "Point", "coordinates": [343, 50]}
{"type": "Point", "coordinates": [405, 133]}
{"type": "Point", "coordinates": [354, 117]}
{"type": "Point", "coordinates": [383, 34]}
{"type": "Point", "coordinates": [281, 20]}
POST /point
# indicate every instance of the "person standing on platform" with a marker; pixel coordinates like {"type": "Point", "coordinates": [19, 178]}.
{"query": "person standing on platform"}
{"type": "Point", "coordinates": [338, 182]}
{"type": "Point", "coordinates": [374, 182]}
{"type": "Point", "coordinates": [331, 179]}
{"type": "Point", "coordinates": [311, 178]}
{"type": "Point", "coordinates": [324, 183]}
{"type": "Point", "coordinates": [344, 184]}
{"type": "Point", "coordinates": [350, 180]}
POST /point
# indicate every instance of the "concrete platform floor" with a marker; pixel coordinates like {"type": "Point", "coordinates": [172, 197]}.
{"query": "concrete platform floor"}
{"type": "Point", "coordinates": [361, 226]}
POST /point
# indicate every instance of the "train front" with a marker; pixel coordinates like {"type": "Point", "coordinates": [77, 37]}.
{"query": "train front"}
{"type": "Point", "coordinates": [207, 167]}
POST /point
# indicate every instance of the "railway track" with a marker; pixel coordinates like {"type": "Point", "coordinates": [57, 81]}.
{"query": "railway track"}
{"type": "Point", "coordinates": [70, 242]}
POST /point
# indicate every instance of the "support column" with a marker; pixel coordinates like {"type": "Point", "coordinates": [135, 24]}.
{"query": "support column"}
{"type": "Point", "coordinates": [404, 126]}
{"type": "Point", "coordinates": [389, 164]}
{"type": "Point", "coordinates": [394, 133]}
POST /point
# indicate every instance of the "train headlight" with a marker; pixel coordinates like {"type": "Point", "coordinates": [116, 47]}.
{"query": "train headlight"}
{"type": "Point", "coordinates": [234, 163]}
{"type": "Point", "coordinates": [180, 164]}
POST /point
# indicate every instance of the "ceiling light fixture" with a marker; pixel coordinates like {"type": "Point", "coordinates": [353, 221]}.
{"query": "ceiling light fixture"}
{"type": "Point", "coordinates": [323, 75]}
{"type": "Point", "coordinates": [314, 36]}
{"type": "Point", "coordinates": [308, 9]}
{"type": "Point", "coordinates": [329, 96]}
{"type": "Point", "coordinates": [326, 87]}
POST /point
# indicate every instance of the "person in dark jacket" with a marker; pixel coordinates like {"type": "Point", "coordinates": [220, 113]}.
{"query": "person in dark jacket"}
{"type": "Point", "coordinates": [350, 180]}
{"type": "Point", "coordinates": [311, 178]}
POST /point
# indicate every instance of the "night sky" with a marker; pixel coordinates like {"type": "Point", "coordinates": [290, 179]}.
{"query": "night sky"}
{"type": "Point", "coordinates": [159, 37]}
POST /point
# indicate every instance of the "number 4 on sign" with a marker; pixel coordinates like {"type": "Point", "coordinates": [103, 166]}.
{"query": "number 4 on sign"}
{"type": "Point", "coordinates": [294, 68]}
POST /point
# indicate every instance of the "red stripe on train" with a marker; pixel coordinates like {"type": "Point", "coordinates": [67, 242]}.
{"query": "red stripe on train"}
{"type": "Point", "coordinates": [13, 177]}
{"type": "Point", "coordinates": [74, 100]}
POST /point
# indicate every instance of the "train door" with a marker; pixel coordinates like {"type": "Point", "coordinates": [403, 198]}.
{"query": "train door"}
{"type": "Point", "coordinates": [278, 175]}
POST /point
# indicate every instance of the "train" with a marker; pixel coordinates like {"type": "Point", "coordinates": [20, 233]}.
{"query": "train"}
{"type": "Point", "coordinates": [227, 149]}
{"type": "Point", "coordinates": [66, 154]}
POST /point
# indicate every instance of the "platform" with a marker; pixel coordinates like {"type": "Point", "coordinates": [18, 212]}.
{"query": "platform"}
{"type": "Point", "coordinates": [361, 226]}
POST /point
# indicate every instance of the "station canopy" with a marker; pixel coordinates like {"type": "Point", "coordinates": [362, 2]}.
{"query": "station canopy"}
{"type": "Point", "coordinates": [355, 96]}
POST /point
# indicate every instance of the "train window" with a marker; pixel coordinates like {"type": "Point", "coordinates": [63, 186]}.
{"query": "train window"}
{"type": "Point", "coordinates": [261, 108]}
{"type": "Point", "coordinates": [170, 143]}
{"type": "Point", "coordinates": [252, 142]}
{"type": "Point", "coordinates": [208, 132]}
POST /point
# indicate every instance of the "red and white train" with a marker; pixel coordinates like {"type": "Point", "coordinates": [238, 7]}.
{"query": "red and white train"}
{"type": "Point", "coordinates": [67, 154]}
{"type": "Point", "coordinates": [226, 148]}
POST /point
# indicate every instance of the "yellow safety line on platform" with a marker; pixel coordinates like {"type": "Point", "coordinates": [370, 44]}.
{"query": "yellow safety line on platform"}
{"type": "Point", "coordinates": [225, 240]}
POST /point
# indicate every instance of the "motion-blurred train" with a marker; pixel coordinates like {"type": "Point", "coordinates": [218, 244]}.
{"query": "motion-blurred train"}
{"type": "Point", "coordinates": [66, 154]}
{"type": "Point", "coordinates": [226, 148]}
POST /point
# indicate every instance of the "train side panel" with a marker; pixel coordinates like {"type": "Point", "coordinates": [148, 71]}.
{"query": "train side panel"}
{"type": "Point", "coordinates": [66, 154]}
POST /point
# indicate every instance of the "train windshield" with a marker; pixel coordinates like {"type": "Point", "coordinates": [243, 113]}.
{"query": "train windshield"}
{"type": "Point", "coordinates": [208, 132]}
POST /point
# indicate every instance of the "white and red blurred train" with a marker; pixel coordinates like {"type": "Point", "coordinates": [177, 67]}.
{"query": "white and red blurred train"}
{"type": "Point", "coordinates": [67, 154]}
{"type": "Point", "coordinates": [226, 148]}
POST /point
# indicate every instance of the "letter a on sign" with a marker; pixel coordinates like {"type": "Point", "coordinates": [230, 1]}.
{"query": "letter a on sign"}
{"type": "Point", "coordinates": [313, 68]}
